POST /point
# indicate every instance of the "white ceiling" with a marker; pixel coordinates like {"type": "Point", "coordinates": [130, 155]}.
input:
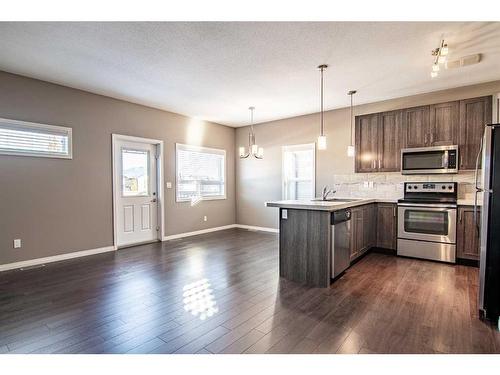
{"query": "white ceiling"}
{"type": "Point", "coordinates": [215, 70]}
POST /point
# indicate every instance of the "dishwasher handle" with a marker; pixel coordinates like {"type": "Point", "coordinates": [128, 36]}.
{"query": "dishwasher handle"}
{"type": "Point", "coordinates": [340, 216]}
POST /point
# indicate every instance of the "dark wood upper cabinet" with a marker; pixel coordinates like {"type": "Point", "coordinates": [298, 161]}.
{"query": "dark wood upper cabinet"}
{"type": "Point", "coordinates": [443, 124]}
{"type": "Point", "coordinates": [474, 114]}
{"type": "Point", "coordinates": [467, 234]}
{"type": "Point", "coordinates": [381, 136]}
{"type": "Point", "coordinates": [386, 225]}
{"type": "Point", "coordinates": [415, 126]}
{"type": "Point", "coordinates": [366, 143]}
{"type": "Point", "coordinates": [389, 142]}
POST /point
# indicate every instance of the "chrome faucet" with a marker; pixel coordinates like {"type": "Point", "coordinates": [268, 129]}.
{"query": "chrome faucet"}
{"type": "Point", "coordinates": [326, 192]}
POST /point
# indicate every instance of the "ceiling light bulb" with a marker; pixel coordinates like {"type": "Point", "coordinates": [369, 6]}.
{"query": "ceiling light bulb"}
{"type": "Point", "coordinates": [322, 142]}
{"type": "Point", "coordinates": [255, 148]}
{"type": "Point", "coordinates": [242, 152]}
{"type": "Point", "coordinates": [444, 50]}
{"type": "Point", "coordinates": [434, 74]}
{"type": "Point", "coordinates": [260, 152]}
{"type": "Point", "coordinates": [435, 67]}
{"type": "Point", "coordinates": [350, 151]}
{"type": "Point", "coordinates": [441, 59]}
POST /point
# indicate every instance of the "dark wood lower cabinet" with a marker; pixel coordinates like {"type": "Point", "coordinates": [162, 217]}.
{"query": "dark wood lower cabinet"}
{"type": "Point", "coordinates": [387, 225]}
{"type": "Point", "coordinates": [467, 234]}
{"type": "Point", "coordinates": [363, 229]}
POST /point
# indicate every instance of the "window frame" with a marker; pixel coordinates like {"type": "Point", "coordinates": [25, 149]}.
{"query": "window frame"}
{"type": "Point", "coordinates": [25, 126]}
{"type": "Point", "coordinates": [299, 147]}
{"type": "Point", "coordinates": [218, 151]}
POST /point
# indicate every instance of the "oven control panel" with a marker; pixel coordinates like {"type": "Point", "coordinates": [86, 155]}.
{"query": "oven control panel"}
{"type": "Point", "coordinates": [430, 187]}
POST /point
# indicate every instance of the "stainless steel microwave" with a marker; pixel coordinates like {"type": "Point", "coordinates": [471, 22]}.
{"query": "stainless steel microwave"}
{"type": "Point", "coordinates": [426, 160]}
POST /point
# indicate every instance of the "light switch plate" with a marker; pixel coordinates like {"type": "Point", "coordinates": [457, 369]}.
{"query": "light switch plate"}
{"type": "Point", "coordinates": [284, 214]}
{"type": "Point", "coordinates": [17, 243]}
{"type": "Point", "coordinates": [169, 185]}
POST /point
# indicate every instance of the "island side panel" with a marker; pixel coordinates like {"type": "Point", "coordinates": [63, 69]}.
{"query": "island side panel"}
{"type": "Point", "coordinates": [305, 247]}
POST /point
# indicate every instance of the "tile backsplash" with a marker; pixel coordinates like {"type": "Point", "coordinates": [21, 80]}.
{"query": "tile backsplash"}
{"type": "Point", "coordinates": [390, 185]}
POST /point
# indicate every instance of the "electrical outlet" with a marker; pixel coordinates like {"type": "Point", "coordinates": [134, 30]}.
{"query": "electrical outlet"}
{"type": "Point", "coordinates": [284, 214]}
{"type": "Point", "coordinates": [205, 218]}
{"type": "Point", "coordinates": [17, 243]}
{"type": "Point", "coordinates": [169, 185]}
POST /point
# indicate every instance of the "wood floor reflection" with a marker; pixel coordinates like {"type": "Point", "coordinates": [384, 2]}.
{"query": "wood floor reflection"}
{"type": "Point", "coordinates": [220, 293]}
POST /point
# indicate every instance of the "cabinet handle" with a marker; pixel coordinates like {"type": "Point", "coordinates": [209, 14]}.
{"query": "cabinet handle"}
{"type": "Point", "coordinates": [378, 163]}
{"type": "Point", "coordinates": [461, 215]}
{"type": "Point", "coordinates": [394, 211]}
{"type": "Point", "coordinates": [461, 161]}
{"type": "Point", "coordinates": [373, 164]}
{"type": "Point", "coordinates": [432, 137]}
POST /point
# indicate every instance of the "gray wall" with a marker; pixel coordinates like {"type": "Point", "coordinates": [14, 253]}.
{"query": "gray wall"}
{"type": "Point", "coordinates": [260, 180]}
{"type": "Point", "coordinates": [58, 206]}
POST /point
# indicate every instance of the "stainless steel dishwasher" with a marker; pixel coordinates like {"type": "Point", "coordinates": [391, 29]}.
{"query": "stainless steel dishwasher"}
{"type": "Point", "coordinates": [341, 241]}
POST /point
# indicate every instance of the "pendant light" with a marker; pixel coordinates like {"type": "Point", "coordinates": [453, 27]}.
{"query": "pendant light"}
{"type": "Point", "coordinates": [253, 149]}
{"type": "Point", "coordinates": [322, 137]}
{"type": "Point", "coordinates": [350, 148]}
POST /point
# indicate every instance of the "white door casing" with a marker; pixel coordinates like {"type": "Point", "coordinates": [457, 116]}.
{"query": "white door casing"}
{"type": "Point", "coordinates": [137, 182]}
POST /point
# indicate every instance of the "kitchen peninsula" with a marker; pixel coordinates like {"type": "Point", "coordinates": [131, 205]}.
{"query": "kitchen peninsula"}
{"type": "Point", "coordinates": [306, 234]}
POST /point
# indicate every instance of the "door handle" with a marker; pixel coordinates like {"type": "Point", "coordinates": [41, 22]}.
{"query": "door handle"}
{"type": "Point", "coordinates": [153, 200]}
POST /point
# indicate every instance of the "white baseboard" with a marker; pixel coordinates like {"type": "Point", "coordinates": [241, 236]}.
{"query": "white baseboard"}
{"type": "Point", "coordinates": [261, 229]}
{"type": "Point", "coordinates": [215, 229]}
{"type": "Point", "coordinates": [55, 258]}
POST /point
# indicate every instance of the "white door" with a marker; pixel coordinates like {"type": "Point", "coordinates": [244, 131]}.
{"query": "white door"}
{"type": "Point", "coordinates": [136, 198]}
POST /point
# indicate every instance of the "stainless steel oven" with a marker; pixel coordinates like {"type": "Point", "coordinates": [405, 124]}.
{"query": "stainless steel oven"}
{"type": "Point", "coordinates": [436, 223]}
{"type": "Point", "coordinates": [425, 160]}
{"type": "Point", "coordinates": [427, 221]}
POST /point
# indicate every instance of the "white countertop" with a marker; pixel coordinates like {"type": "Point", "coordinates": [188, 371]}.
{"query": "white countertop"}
{"type": "Point", "coordinates": [333, 206]}
{"type": "Point", "coordinates": [327, 205]}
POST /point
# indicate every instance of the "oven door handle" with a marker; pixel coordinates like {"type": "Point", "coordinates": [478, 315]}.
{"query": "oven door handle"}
{"type": "Point", "coordinates": [428, 206]}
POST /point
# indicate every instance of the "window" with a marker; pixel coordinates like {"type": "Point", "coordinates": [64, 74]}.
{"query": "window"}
{"type": "Point", "coordinates": [31, 139]}
{"type": "Point", "coordinates": [201, 173]}
{"type": "Point", "coordinates": [135, 173]}
{"type": "Point", "coordinates": [299, 172]}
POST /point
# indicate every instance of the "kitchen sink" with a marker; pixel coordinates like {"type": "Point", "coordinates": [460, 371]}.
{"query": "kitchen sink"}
{"type": "Point", "coordinates": [334, 200]}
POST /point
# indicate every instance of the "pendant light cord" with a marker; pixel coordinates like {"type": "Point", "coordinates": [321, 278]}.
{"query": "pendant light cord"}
{"type": "Point", "coordinates": [321, 121]}
{"type": "Point", "coordinates": [351, 119]}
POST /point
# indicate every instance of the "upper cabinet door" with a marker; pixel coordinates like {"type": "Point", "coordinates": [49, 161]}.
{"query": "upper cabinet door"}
{"type": "Point", "coordinates": [366, 143]}
{"type": "Point", "coordinates": [474, 114]}
{"type": "Point", "coordinates": [415, 127]}
{"type": "Point", "coordinates": [389, 142]}
{"type": "Point", "coordinates": [443, 125]}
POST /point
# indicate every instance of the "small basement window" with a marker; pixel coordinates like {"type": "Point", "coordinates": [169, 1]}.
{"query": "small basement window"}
{"type": "Point", "coordinates": [32, 139]}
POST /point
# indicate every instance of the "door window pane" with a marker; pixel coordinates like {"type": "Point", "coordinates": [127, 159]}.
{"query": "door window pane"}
{"type": "Point", "coordinates": [135, 172]}
{"type": "Point", "coordinates": [426, 222]}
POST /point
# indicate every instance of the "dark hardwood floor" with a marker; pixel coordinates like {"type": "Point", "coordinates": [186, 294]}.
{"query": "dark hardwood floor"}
{"type": "Point", "coordinates": [220, 293]}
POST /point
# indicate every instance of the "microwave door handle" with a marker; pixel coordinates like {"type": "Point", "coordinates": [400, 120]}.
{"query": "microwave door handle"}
{"type": "Point", "coordinates": [445, 159]}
